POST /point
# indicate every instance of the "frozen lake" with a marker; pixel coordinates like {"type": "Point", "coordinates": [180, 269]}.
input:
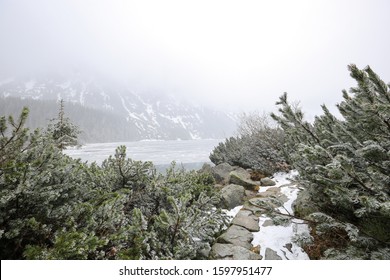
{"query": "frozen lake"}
{"type": "Point", "coordinates": [191, 153]}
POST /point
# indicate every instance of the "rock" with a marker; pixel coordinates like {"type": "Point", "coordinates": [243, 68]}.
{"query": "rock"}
{"type": "Point", "coordinates": [253, 208]}
{"type": "Point", "coordinates": [246, 219]}
{"type": "Point", "coordinates": [275, 192]}
{"type": "Point", "coordinates": [267, 182]}
{"type": "Point", "coordinates": [250, 193]}
{"type": "Point", "coordinates": [256, 249]}
{"type": "Point", "coordinates": [232, 196]}
{"type": "Point", "coordinates": [257, 175]}
{"type": "Point", "coordinates": [242, 177]}
{"type": "Point", "coordinates": [282, 197]}
{"type": "Point", "coordinates": [206, 168]}
{"type": "Point", "coordinates": [273, 189]}
{"type": "Point", "coordinates": [221, 173]}
{"type": "Point", "coordinates": [271, 255]}
{"type": "Point", "coordinates": [288, 246]}
{"type": "Point", "coordinates": [221, 251]}
{"type": "Point", "coordinates": [304, 205]}
{"type": "Point", "coordinates": [268, 223]}
{"type": "Point", "coordinates": [232, 252]}
{"type": "Point", "coordinates": [258, 201]}
{"type": "Point", "coordinates": [237, 235]}
{"type": "Point", "coordinates": [264, 204]}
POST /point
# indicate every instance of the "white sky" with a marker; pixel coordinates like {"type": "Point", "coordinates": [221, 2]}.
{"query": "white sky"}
{"type": "Point", "coordinates": [233, 54]}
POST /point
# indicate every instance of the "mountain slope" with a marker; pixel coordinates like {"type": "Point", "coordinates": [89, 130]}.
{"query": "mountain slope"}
{"type": "Point", "coordinates": [146, 116]}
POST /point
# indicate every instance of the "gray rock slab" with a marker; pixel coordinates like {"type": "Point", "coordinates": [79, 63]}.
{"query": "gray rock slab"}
{"type": "Point", "coordinates": [282, 197]}
{"type": "Point", "coordinates": [237, 235]}
{"type": "Point", "coordinates": [232, 195]}
{"type": "Point", "coordinates": [248, 220]}
{"type": "Point", "coordinates": [268, 223]}
{"type": "Point", "coordinates": [221, 172]}
{"type": "Point", "coordinates": [270, 192]}
{"type": "Point", "coordinates": [242, 177]}
{"type": "Point", "coordinates": [257, 201]}
{"type": "Point", "coordinates": [267, 182]}
{"type": "Point", "coordinates": [232, 252]}
{"type": "Point", "coordinates": [250, 193]}
{"type": "Point", "coordinates": [271, 255]}
{"type": "Point", "coordinates": [253, 208]}
{"type": "Point", "coordinates": [274, 192]}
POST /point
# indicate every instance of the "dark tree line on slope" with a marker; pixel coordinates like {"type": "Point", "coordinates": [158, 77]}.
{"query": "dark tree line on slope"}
{"type": "Point", "coordinates": [95, 125]}
{"type": "Point", "coordinates": [56, 207]}
{"type": "Point", "coordinates": [344, 166]}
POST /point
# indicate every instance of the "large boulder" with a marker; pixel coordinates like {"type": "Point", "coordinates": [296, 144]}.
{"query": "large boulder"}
{"type": "Point", "coordinates": [237, 235]}
{"type": "Point", "coordinates": [232, 196]}
{"type": "Point", "coordinates": [232, 252]}
{"type": "Point", "coordinates": [267, 182]}
{"type": "Point", "coordinates": [243, 178]}
{"type": "Point", "coordinates": [246, 219]}
{"type": "Point", "coordinates": [221, 172]}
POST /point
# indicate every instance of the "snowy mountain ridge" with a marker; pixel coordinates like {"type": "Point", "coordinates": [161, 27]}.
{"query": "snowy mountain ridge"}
{"type": "Point", "coordinates": [148, 115]}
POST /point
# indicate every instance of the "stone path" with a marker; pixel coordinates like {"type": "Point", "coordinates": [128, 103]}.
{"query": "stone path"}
{"type": "Point", "coordinates": [252, 234]}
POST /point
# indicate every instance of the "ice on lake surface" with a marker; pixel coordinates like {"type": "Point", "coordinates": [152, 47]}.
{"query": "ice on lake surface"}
{"type": "Point", "coordinates": [191, 153]}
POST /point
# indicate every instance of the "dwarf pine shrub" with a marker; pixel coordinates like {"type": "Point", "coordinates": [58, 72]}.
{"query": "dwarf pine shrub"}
{"type": "Point", "coordinates": [345, 163]}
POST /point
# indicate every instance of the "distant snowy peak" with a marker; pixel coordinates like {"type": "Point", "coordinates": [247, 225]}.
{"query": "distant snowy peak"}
{"type": "Point", "coordinates": [165, 117]}
{"type": "Point", "coordinates": [151, 116]}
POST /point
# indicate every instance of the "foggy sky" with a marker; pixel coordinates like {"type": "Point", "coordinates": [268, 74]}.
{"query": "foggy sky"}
{"type": "Point", "coordinates": [230, 54]}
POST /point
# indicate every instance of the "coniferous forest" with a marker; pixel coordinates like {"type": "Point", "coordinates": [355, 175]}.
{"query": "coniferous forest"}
{"type": "Point", "coordinates": [95, 125]}
{"type": "Point", "coordinates": [56, 207]}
